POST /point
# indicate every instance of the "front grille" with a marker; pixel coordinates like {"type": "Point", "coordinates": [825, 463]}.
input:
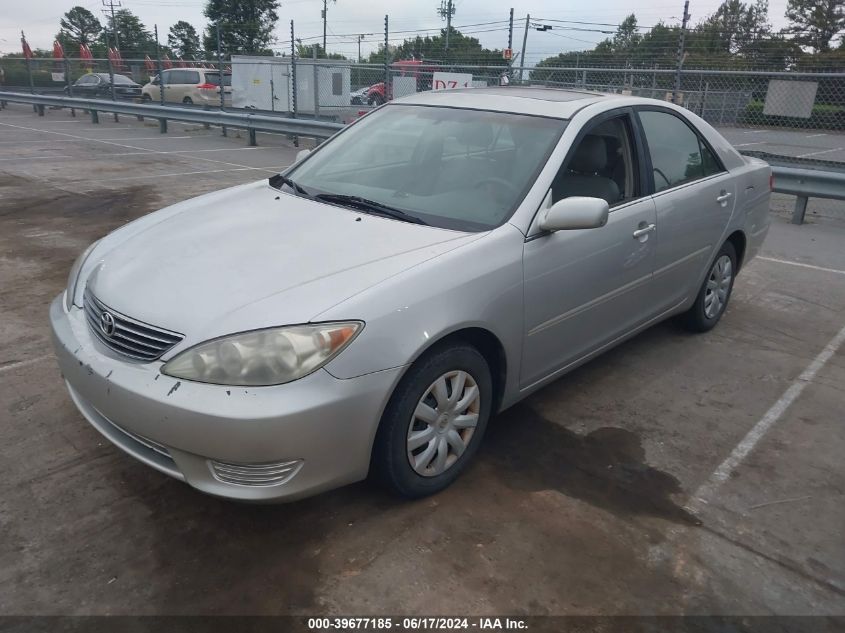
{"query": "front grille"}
{"type": "Point", "coordinates": [268, 474]}
{"type": "Point", "coordinates": [124, 335]}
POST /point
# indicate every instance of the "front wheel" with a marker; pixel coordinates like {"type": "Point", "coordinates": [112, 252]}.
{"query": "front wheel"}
{"type": "Point", "coordinates": [714, 294]}
{"type": "Point", "coordinates": [145, 98]}
{"type": "Point", "coordinates": [434, 421]}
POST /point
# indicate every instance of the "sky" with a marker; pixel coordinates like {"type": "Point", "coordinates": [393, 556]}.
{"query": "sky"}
{"type": "Point", "coordinates": [347, 19]}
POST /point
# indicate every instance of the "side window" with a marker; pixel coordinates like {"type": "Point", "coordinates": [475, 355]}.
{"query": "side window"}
{"type": "Point", "coordinates": [677, 154]}
{"type": "Point", "coordinates": [190, 77]}
{"type": "Point", "coordinates": [602, 165]}
{"type": "Point", "coordinates": [709, 162]}
{"type": "Point", "coordinates": [169, 76]}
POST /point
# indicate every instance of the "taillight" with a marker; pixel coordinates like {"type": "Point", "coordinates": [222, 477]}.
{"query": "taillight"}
{"type": "Point", "coordinates": [771, 182]}
{"type": "Point", "coordinates": [207, 86]}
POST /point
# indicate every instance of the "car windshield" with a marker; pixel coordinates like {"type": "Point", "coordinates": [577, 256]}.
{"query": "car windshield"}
{"type": "Point", "coordinates": [453, 168]}
{"type": "Point", "coordinates": [214, 78]}
{"type": "Point", "coordinates": [122, 79]}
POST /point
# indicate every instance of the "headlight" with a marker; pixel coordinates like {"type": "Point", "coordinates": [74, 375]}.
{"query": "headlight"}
{"type": "Point", "coordinates": [73, 277]}
{"type": "Point", "coordinates": [263, 357]}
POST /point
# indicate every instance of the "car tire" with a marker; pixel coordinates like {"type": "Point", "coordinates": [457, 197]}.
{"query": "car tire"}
{"type": "Point", "coordinates": [462, 368]}
{"type": "Point", "coordinates": [375, 100]}
{"type": "Point", "coordinates": [714, 294]}
{"type": "Point", "coordinates": [146, 98]}
{"type": "Point", "coordinates": [187, 101]}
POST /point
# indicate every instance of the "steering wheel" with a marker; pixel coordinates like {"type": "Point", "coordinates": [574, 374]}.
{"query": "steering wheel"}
{"type": "Point", "coordinates": [662, 175]}
{"type": "Point", "coordinates": [503, 186]}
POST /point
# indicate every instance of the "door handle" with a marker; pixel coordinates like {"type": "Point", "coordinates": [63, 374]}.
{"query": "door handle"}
{"type": "Point", "coordinates": [644, 231]}
{"type": "Point", "coordinates": [724, 197]}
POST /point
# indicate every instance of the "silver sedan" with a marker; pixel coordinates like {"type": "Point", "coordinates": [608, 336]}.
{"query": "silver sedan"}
{"type": "Point", "coordinates": [429, 266]}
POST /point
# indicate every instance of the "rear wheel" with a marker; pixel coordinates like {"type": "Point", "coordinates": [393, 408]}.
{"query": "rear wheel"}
{"type": "Point", "coordinates": [434, 421]}
{"type": "Point", "coordinates": [188, 101]}
{"type": "Point", "coordinates": [714, 294]}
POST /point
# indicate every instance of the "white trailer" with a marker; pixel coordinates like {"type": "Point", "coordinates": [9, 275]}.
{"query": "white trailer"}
{"type": "Point", "coordinates": [265, 83]}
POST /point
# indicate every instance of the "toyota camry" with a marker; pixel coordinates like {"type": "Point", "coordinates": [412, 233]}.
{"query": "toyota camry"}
{"type": "Point", "coordinates": [370, 308]}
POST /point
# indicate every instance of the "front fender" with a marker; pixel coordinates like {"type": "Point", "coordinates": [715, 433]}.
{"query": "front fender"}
{"type": "Point", "coordinates": [478, 285]}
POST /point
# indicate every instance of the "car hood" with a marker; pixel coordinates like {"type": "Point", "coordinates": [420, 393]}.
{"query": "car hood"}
{"type": "Point", "coordinates": [253, 257]}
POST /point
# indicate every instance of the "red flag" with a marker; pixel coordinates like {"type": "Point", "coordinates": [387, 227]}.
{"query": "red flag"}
{"type": "Point", "coordinates": [149, 64]}
{"type": "Point", "coordinates": [27, 51]}
{"type": "Point", "coordinates": [165, 61]}
{"type": "Point", "coordinates": [58, 51]}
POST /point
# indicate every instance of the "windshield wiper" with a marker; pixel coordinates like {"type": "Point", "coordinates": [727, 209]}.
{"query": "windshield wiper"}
{"type": "Point", "coordinates": [278, 180]}
{"type": "Point", "coordinates": [369, 206]}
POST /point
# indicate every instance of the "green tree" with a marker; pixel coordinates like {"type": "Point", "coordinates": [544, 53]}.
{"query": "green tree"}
{"type": "Point", "coordinates": [78, 26]}
{"type": "Point", "coordinates": [461, 49]}
{"type": "Point", "coordinates": [734, 29]}
{"type": "Point", "coordinates": [132, 36]}
{"type": "Point", "coordinates": [184, 41]}
{"type": "Point", "coordinates": [627, 36]}
{"type": "Point", "coordinates": [816, 22]}
{"type": "Point", "coordinates": [307, 51]}
{"type": "Point", "coordinates": [246, 26]}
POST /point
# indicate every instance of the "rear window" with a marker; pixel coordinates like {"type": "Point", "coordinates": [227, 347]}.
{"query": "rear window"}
{"type": "Point", "coordinates": [214, 78]}
{"type": "Point", "coordinates": [121, 79]}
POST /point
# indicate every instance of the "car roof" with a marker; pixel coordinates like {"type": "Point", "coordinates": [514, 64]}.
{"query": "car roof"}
{"type": "Point", "coordinates": [538, 101]}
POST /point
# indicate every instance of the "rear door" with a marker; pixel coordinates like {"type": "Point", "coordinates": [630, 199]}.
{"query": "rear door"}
{"type": "Point", "coordinates": [694, 196]}
{"type": "Point", "coordinates": [585, 288]}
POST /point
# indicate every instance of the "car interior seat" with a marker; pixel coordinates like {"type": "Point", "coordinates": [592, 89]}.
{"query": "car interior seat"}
{"type": "Point", "coordinates": [582, 177]}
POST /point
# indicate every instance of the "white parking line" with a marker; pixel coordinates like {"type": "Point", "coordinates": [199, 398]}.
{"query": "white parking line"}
{"type": "Point", "coordinates": [826, 151]}
{"type": "Point", "coordinates": [815, 135]}
{"type": "Point", "coordinates": [753, 131]}
{"type": "Point", "coordinates": [747, 144]}
{"type": "Point", "coordinates": [142, 149]}
{"type": "Point", "coordinates": [775, 412]}
{"type": "Point", "coordinates": [802, 265]}
{"type": "Point", "coordinates": [143, 138]}
{"type": "Point", "coordinates": [24, 363]}
{"type": "Point", "coordinates": [40, 157]}
{"type": "Point", "coordinates": [271, 170]}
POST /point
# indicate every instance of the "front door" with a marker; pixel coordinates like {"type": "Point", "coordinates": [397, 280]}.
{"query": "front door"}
{"type": "Point", "coordinates": [585, 288]}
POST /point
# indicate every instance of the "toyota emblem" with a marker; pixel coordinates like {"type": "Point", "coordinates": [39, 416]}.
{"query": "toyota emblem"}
{"type": "Point", "coordinates": [107, 323]}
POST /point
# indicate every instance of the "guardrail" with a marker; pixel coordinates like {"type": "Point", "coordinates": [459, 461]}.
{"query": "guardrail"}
{"type": "Point", "coordinates": [802, 178]}
{"type": "Point", "coordinates": [805, 179]}
{"type": "Point", "coordinates": [163, 113]}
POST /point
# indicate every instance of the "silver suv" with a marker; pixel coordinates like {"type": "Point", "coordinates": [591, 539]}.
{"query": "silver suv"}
{"type": "Point", "coordinates": [190, 86]}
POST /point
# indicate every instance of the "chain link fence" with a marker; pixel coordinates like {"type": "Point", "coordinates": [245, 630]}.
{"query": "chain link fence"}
{"type": "Point", "coordinates": [342, 90]}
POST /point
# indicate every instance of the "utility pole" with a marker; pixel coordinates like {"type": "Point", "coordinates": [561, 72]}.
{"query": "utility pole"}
{"type": "Point", "coordinates": [510, 30]}
{"type": "Point", "coordinates": [681, 37]}
{"type": "Point", "coordinates": [446, 10]}
{"type": "Point", "coordinates": [360, 37]}
{"type": "Point", "coordinates": [325, 14]}
{"type": "Point", "coordinates": [111, 4]}
{"type": "Point", "coordinates": [522, 52]}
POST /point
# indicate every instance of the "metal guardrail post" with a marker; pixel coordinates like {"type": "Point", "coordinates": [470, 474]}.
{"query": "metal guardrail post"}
{"type": "Point", "coordinates": [94, 116]}
{"type": "Point", "coordinates": [252, 140]}
{"type": "Point", "coordinates": [800, 209]}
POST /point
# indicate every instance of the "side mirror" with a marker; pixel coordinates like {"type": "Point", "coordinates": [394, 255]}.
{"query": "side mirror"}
{"type": "Point", "coordinates": [301, 154]}
{"type": "Point", "coordinates": [575, 213]}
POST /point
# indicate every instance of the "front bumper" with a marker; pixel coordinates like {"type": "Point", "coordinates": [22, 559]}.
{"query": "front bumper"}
{"type": "Point", "coordinates": [179, 427]}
